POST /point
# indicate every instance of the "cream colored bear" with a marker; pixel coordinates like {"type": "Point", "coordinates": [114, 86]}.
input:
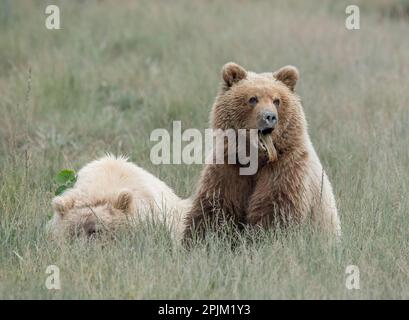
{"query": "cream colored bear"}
{"type": "Point", "coordinates": [110, 192]}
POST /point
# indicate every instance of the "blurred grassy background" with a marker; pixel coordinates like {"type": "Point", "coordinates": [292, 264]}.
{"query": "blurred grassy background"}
{"type": "Point", "coordinates": [118, 70]}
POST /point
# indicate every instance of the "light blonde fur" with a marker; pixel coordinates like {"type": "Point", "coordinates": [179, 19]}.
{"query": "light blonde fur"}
{"type": "Point", "coordinates": [110, 192]}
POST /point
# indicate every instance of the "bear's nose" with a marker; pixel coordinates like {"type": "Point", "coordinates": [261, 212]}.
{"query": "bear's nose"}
{"type": "Point", "coordinates": [268, 121]}
{"type": "Point", "coordinates": [90, 227]}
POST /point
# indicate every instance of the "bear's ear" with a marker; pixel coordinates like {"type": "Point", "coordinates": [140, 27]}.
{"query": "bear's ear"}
{"type": "Point", "coordinates": [124, 200]}
{"type": "Point", "coordinates": [233, 73]}
{"type": "Point", "coordinates": [288, 75]}
{"type": "Point", "coordinates": [61, 205]}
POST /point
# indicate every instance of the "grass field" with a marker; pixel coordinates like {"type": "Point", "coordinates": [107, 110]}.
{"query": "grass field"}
{"type": "Point", "coordinates": [119, 69]}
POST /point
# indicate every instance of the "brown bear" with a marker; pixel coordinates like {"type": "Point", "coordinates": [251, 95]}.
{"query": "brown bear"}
{"type": "Point", "coordinates": [290, 184]}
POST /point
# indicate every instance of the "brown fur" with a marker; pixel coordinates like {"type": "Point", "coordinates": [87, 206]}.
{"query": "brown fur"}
{"type": "Point", "coordinates": [283, 191]}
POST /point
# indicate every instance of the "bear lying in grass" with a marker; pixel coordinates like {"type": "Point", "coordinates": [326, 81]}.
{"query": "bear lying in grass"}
{"type": "Point", "coordinates": [290, 184]}
{"type": "Point", "coordinates": [111, 192]}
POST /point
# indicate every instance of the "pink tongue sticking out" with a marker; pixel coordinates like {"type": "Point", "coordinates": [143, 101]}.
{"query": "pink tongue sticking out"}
{"type": "Point", "coordinates": [267, 142]}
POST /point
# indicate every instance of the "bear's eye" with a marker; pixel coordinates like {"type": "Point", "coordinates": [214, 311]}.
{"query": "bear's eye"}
{"type": "Point", "coordinates": [277, 102]}
{"type": "Point", "coordinates": [253, 101]}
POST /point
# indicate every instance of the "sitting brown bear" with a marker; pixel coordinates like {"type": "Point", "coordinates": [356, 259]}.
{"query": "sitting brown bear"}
{"type": "Point", "coordinates": [290, 183]}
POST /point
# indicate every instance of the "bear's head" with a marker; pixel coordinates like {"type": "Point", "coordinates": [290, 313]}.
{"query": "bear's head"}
{"type": "Point", "coordinates": [77, 217]}
{"type": "Point", "coordinates": [263, 101]}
